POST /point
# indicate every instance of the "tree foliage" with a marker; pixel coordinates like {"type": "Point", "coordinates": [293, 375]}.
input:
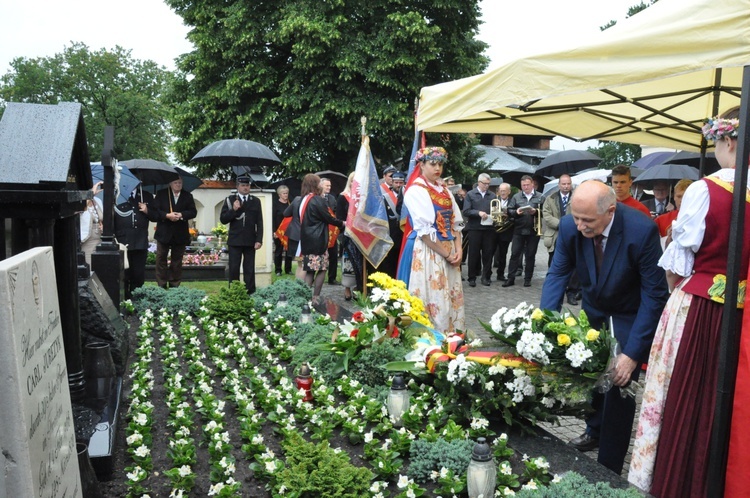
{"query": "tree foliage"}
{"type": "Point", "coordinates": [113, 89]}
{"type": "Point", "coordinates": [614, 153]}
{"type": "Point", "coordinates": [298, 75]}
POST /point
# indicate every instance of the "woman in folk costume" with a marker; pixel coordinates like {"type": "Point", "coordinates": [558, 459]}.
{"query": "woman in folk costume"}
{"type": "Point", "coordinates": [670, 456]}
{"type": "Point", "coordinates": [432, 253]}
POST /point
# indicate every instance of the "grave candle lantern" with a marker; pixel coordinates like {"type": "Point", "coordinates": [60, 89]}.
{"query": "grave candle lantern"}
{"type": "Point", "coordinates": [304, 381]}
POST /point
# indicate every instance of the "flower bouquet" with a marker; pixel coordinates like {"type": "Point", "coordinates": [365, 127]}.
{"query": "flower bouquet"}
{"type": "Point", "coordinates": [389, 312]}
{"type": "Point", "coordinates": [555, 342]}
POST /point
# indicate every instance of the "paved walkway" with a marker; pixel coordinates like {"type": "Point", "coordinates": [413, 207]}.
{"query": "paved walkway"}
{"type": "Point", "coordinates": [481, 302]}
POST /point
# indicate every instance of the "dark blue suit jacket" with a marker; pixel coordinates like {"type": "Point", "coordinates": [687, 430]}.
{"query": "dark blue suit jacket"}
{"type": "Point", "coordinates": [631, 289]}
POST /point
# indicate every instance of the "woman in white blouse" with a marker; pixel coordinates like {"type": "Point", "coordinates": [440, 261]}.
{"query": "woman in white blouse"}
{"type": "Point", "coordinates": [91, 224]}
{"type": "Point", "coordinates": [431, 258]}
{"type": "Point", "coordinates": [670, 455]}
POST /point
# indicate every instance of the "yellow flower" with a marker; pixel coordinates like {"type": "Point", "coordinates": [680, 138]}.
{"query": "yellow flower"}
{"type": "Point", "coordinates": [563, 339]}
{"type": "Point", "coordinates": [537, 314]}
{"type": "Point", "coordinates": [592, 335]}
{"type": "Point", "coordinates": [570, 321]}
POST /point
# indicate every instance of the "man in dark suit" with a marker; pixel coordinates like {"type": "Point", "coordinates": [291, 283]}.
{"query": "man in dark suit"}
{"type": "Point", "coordinates": [524, 208]}
{"type": "Point", "coordinates": [659, 204]}
{"type": "Point", "coordinates": [333, 252]}
{"type": "Point", "coordinates": [131, 229]}
{"type": "Point", "coordinates": [242, 212]}
{"type": "Point", "coordinates": [476, 210]}
{"type": "Point", "coordinates": [174, 207]}
{"type": "Point", "coordinates": [614, 250]}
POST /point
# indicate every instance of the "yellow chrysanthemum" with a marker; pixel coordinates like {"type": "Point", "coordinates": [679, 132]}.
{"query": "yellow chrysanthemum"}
{"type": "Point", "coordinates": [537, 314]}
{"type": "Point", "coordinates": [592, 335]}
{"type": "Point", "coordinates": [570, 321]}
{"type": "Point", "coordinates": [563, 340]}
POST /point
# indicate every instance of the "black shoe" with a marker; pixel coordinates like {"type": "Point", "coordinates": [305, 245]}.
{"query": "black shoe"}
{"type": "Point", "coordinates": [501, 278]}
{"type": "Point", "coordinates": [486, 282]}
{"type": "Point", "coordinates": [278, 273]}
{"type": "Point", "coordinates": [584, 442]}
{"type": "Point", "coordinates": [572, 300]}
{"type": "Point", "coordinates": [472, 282]}
{"type": "Point", "coordinates": [527, 283]}
{"type": "Point", "coordinates": [509, 282]}
{"type": "Point", "coordinates": [519, 272]}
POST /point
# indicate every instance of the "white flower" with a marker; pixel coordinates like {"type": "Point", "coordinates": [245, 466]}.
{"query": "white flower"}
{"type": "Point", "coordinates": [215, 489]}
{"type": "Point", "coordinates": [271, 466]}
{"type": "Point", "coordinates": [185, 471]}
{"type": "Point", "coordinates": [134, 438]}
{"type": "Point", "coordinates": [138, 474]}
{"type": "Point", "coordinates": [142, 451]}
{"type": "Point", "coordinates": [578, 354]}
{"type": "Point", "coordinates": [506, 469]}
{"type": "Point", "coordinates": [530, 485]}
{"type": "Point", "coordinates": [140, 419]}
{"type": "Point", "coordinates": [403, 481]}
{"type": "Point", "coordinates": [478, 423]}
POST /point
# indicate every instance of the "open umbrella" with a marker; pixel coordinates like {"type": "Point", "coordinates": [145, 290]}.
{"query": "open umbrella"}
{"type": "Point", "coordinates": [667, 172]}
{"type": "Point", "coordinates": [128, 181]}
{"type": "Point", "coordinates": [254, 172]}
{"type": "Point", "coordinates": [653, 159]}
{"type": "Point", "coordinates": [237, 152]}
{"type": "Point", "coordinates": [567, 161]}
{"type": "Point", "coordinates": [152, 172]}
{"type": "Point", "coordinates": [190, 181]}
{"type": "Point", "coordinates": [693, 159]}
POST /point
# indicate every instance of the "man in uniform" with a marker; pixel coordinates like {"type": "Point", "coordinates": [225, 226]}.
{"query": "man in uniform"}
{"type": "Point", "coordinates": [131, 229]}
{"type": "Point", "coordinates": [242, 212]}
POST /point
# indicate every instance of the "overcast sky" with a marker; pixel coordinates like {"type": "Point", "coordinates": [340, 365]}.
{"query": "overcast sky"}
{"type": "Point", "coordinates": [153, 31]}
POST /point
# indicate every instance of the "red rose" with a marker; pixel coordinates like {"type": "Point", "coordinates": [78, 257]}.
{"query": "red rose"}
{"type": "Point", "coordinates": [358, 316]}
{"type": "Point", "coordinates": [354, 333]}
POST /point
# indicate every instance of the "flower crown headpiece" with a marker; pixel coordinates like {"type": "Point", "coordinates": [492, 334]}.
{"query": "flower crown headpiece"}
{"type": "Point", "coordinates": [717, 128]}
{"type": "Point", "coordinates": [437, 154]}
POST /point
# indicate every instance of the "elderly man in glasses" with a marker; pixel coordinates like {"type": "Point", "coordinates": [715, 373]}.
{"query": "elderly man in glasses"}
{"type": "Point", "coordinates": [476, 211]}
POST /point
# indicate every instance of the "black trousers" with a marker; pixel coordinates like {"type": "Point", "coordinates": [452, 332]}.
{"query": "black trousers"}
{"type": "Point", "coordinates": [501, 253]}
{"type": "Point", "coordinates": [333, 262]}
{"type": "Point", "coordinates": [135, 275]}
{"type": "Point", "coordinates": [169, 274]}
{"type": "Point", "coordinates": [481, 250]}
{"type": "Point", "coordinates": [278, 252]}
{"type": "Point", "coordinates": [246, 256]}
{"type": "Point", "coordinates": [524, 246]}
{"type": "Point", "coordinates": [612, 423]}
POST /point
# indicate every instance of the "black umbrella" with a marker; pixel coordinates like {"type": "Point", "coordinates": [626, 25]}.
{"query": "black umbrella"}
{"type": "Point", "coordinates": [567, 161]}
{"type": "Point", "coordinates": [190, 182]}
{"type": "Point", "coordinates": [694, 159]}
{"type": "Point", "coordinates": [294, 185]}
{"type": "Point", "coordinates": [151, 172]}
{"type": "Point", "coordinates": [254, 172]}
{"type": "Point", "coordinates": [650, 160]}
{"type": "Point", "coordinates": [667, 172]}
{"type": "Point", "coordinates": [237, 152]}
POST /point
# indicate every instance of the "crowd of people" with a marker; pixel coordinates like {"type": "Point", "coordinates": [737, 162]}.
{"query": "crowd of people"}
{"type": "Point", "coordinates": [648, 269]}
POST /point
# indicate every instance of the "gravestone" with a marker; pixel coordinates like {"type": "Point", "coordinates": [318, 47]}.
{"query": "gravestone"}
{"type": "Point", "coordinates": [37, 438]}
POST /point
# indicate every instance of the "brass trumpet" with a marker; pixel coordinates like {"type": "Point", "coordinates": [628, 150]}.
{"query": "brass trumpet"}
{"type": "Point", "coordinates": [538, 222]}
{"type": "Point", "coordinates": [499, 215]}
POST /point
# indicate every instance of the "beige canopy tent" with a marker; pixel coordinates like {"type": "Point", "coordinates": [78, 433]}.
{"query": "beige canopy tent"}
{"type": "Point", "coordinates": [651, 80]}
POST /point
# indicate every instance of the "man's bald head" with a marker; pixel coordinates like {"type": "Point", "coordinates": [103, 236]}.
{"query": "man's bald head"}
{"type": "Point", "coordinates": [593, 206]}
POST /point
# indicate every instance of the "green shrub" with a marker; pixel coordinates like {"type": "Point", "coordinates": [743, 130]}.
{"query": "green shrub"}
{"type": "Point", "coordinates": [316, 470]}
{"type": "Point", "coordinates": [297, 293]}
{"type": "Point", "coordinates": [156, 298]}
{"type": "Point", "coordinates": [428, 456]}
{"type": "Point", "coordinates": [574, 485]}
{"type": "Point", "coordinates": [368, 368]}
{"type": "Point", "coordinates": [306, 339]}
{"type": "Point", "coordinates": [231, 304]}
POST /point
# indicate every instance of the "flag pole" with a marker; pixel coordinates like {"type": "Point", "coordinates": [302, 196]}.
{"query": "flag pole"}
{"type": "Point", "coordinates": [363, 120]}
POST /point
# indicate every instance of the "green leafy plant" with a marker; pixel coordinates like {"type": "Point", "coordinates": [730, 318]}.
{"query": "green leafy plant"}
{"type": "Point", "coordinates": [296, 292]}
{"type": "Point", "coordinates": [317, 470]}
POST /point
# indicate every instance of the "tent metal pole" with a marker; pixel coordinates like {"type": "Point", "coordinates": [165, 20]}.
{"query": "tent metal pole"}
{"type": "Point", "coordinates": [729, 343]}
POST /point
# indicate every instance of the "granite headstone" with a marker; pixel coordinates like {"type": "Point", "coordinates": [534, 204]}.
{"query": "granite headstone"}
{"type": "Point", "coordinates": [37, 438]}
